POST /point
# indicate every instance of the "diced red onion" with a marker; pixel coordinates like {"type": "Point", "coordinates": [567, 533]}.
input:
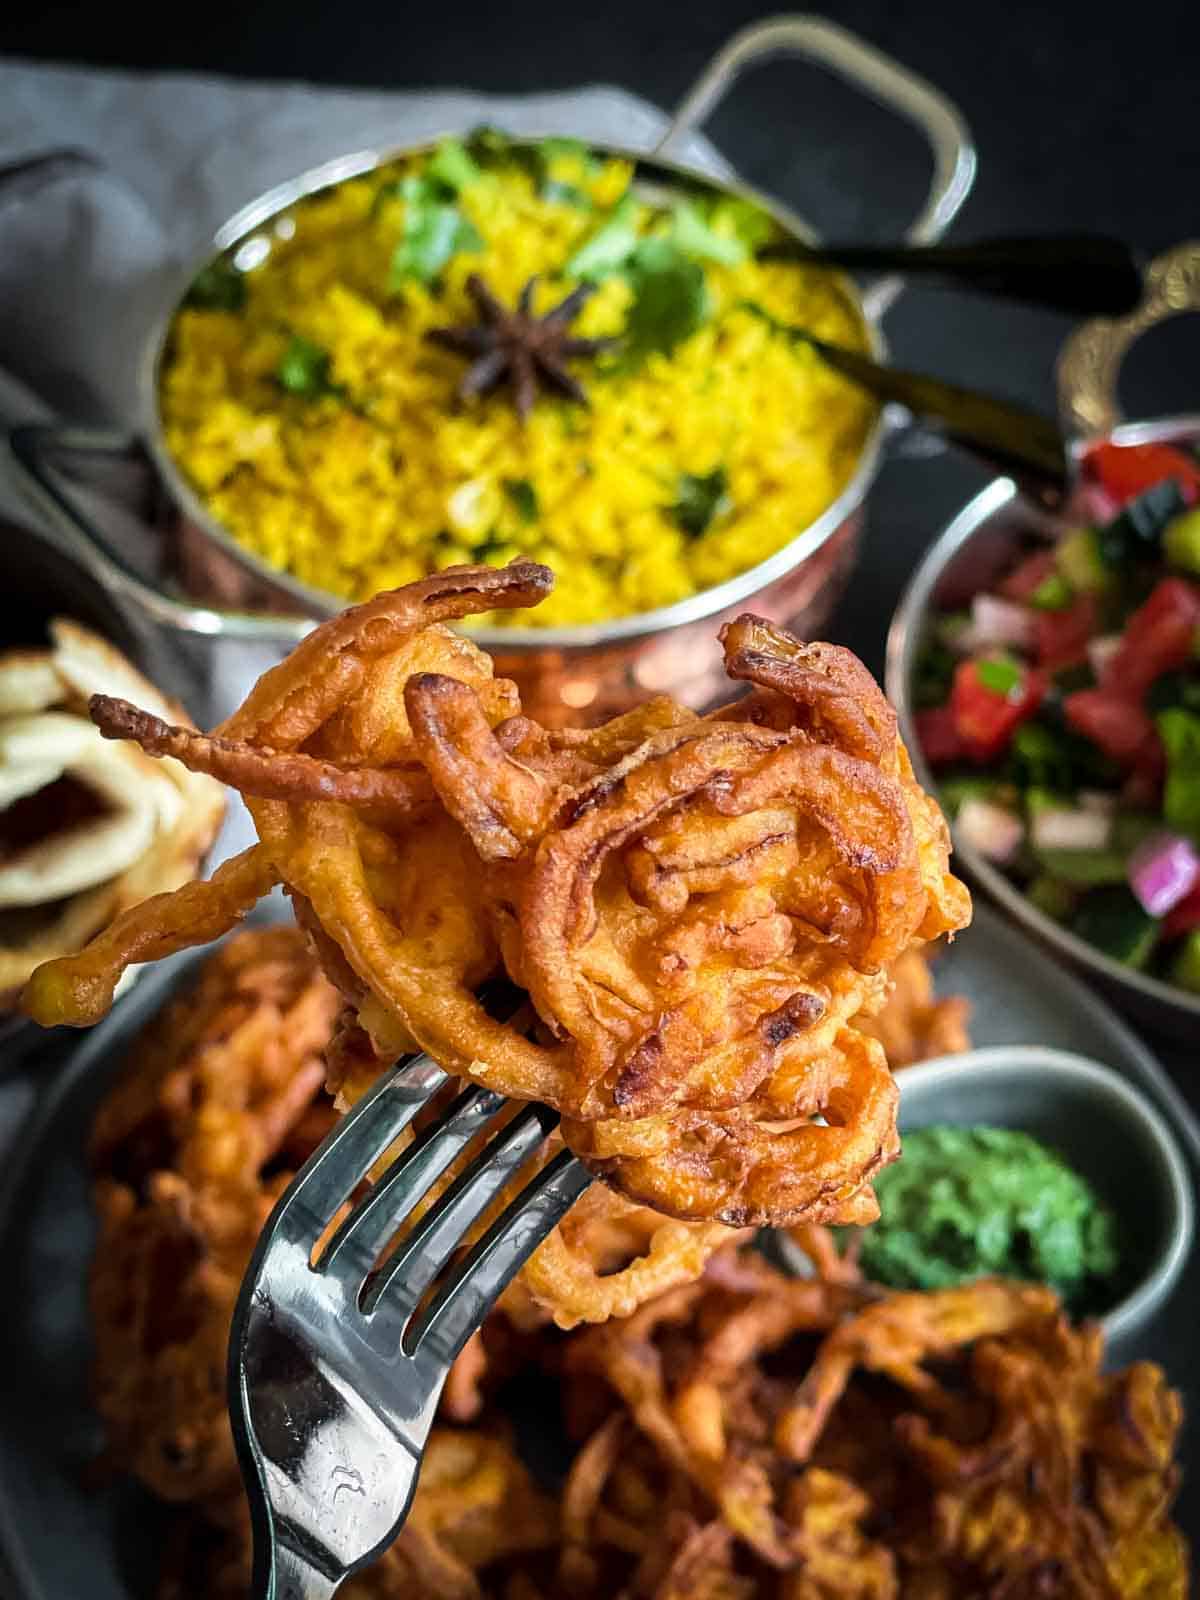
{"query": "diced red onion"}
{"type": "Point", "coordinates": [1101, 650]}
{"type": "Point", "coordinates": [1098, 801]}
{"type": "Point", "coordinates": [1163, 870]}
{"type": "Point", "coordinates": [1066, 828]}
{"type": "Point", "coordinates": [1093, 503]}
{"type": "Point", "coordinates": [996, 622]}
{"type": "Point", "coordinates": [995, 831]}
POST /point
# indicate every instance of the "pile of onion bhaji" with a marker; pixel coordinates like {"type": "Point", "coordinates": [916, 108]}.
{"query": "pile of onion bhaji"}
{"type": "Point", "coordinates": [698, 909]}
{"type": "Point", "coordinates": [742, 1437]}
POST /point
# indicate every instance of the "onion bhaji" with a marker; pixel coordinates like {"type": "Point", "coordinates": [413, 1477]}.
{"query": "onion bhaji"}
{"type": "Point", "coordinates": [914, 1024]}
{"type": "Point", "coordinates": [743, 1436]}
{"type": "Point", "coordinates": [698, 907]}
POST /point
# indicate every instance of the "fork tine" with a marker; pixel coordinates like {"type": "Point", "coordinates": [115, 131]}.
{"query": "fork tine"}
{"type": "Point", "coordinates": [477, 1282]}
{"type": "Point", "coordinates": [373, 1220]}
{"type": "Point", "coordinates": [422, 1254]}
{"type": "Point", "coordinates": [344, 1158]}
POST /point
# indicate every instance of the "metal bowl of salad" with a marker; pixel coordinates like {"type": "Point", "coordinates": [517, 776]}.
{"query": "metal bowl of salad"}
{"type": "Point", "coordinates": [1046, 669]}
{"type": "Point", "coordinates": [1047, 677]}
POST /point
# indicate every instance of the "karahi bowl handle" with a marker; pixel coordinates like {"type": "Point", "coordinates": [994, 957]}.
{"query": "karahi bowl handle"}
{"type": "Point", "coordinates": [882, 79]}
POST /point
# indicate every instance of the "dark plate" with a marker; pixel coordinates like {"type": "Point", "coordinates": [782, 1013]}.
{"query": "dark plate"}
{"type": "Point", "coordinates": [66, 1542]}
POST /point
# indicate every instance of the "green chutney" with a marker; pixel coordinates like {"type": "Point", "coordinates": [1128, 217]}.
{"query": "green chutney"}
{"type": "Point", "coordinates": [966, 1203]}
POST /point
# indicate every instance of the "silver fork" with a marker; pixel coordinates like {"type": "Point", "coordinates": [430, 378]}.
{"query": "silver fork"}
{"type": "Point", "coordinates": [335, 1366]}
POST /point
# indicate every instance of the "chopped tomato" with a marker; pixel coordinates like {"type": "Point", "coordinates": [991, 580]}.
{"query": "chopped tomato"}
{"type": "Point", "coordinates": [1185, 916]}
{"type": "Point", "coordinates": [1061, 637]}
{"type": "Point", "coordinates": [1159, 637]}
{"type": "Point", "coordinates": [984, 719]}
{"type": "Point", "coordinates": [1027, 576]}
{"type": "Point", "coordinates": [1118, 724]}
{"type": "Point", "coordinates": [1127, 470]}
{"type": "Point", "coordinates": [938, 736]}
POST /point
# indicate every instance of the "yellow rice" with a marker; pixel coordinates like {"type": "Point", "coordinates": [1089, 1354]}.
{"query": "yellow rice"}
{"type": "Point", "coordinates": [393, 478]}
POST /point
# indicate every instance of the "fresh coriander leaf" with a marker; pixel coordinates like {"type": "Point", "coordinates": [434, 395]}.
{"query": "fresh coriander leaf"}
{"type": "Point", "coordinates": [747, 222]}
{"type": "Point", "coordinates": [433, 232]}
{"type": "Point", "coordinates": [552, 149]}
{"type": "Point", "coordinates": [699, 499]}
{"type": "Point", "coordinates": [1000, 674]}
{"type": "Point", "coordinates": [524, 498]}
{"type": "Point", "coordinates": [567, 194]}
{"type": "Point", "coordinates": [670, 300]}
{"type": "Point", "coordinates": [452, 167]}
{"type": "Point", "coordinates": [696, 239]}
{"type": "Point", "coordinates": [491, 548]}
{"type": "Point", "coordinates": [304, 368]}
{"type": "Point", "coordinates": [488, 146]}
{"type": "Point", "coordinates": [610, 247]}
{"type": "Point", "coordinates": [1180, 734]}
{"type": "Point", "coordinates": [217, 287]}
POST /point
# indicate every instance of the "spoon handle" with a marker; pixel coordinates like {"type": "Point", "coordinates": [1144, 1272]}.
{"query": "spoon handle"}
{"type": "Point", "coordinates": [1016, 442]}
{"type": "Point", "coordinates": [1085, 274]}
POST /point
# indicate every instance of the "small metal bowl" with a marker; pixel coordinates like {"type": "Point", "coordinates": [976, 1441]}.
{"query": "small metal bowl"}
{"type": "Point", "coordinates": [1101, 1126]}
{"type": "Point", "coordinates": [980, 544]}
{"type": "Point", "coordinates": [969, 555]}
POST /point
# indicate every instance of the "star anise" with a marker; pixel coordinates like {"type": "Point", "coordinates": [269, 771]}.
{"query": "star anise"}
{"type": "Point", "coordinates": [516, 348]}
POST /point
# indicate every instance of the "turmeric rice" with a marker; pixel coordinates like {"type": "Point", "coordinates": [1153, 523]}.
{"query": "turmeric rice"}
{"type": "Point", "coordinates": [306, 407]}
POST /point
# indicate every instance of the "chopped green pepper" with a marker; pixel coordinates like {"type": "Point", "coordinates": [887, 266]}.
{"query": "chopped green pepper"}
{"type": "Point", "coordinates": [1181, 542]}
{"type": "Point", "coordinates": [1000, 673]}
{"type": "Point", "coordinates": [1113, 921]}
{"type": "Point", "coordinates": [1052, 897]}
{"type": "Point", "coordinates": [1079, 558]}
{"type": "Point", "coordinates": [1054, 593]}
{"type": "Point", "coordinates": [1185, 968]}
{"type": "Point", "coordinates": [1180, 734]}
{"type": "Point", "coordinates": [1138, 527]}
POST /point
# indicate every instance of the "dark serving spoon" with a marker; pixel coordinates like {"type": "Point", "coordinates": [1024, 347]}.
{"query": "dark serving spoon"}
{"type": "Point", "coordinates": [1085, 274]}
{"type": "Point", "coordinates": [1019, 443]}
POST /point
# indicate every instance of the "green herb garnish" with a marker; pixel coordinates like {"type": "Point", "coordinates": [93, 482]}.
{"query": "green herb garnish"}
{"type": "Point", "coordinates": [967, 1203]}
{"type": "Point", "coordinates": [670, 300]}
{"type": "Point", "coordinates": [217, 287]}
{"type": "Point", "coordinates": [451, 166]}
{"type": "Point", "coordinates": [695, 238]}
{"type": "Point", "coordinates": [304, 368]}
{"type": "Point", "coordinates": [999, 673]}
{"type": "Point", "coordinates": [699, 499]}
{"type": "Point", "coordinates": [434, 231]}
{"type": "Point", "coordinates": [524, 498]}
{"type": "Point", "coordinates": [610, 247]}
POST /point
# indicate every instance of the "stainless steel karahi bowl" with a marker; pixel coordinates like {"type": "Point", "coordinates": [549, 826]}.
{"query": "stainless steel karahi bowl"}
{"type": "Point", "coordinates": [564, 673]}
{"type": "Point", "coordinates": [978, 544]}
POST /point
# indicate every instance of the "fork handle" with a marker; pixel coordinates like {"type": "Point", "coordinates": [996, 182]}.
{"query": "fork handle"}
{"type": "Point", "coordinates": [293, 1578]}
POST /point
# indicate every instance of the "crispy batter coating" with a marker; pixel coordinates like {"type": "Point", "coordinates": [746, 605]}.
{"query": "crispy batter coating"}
{"type": "Point", "coordinates": [223, 1087]}
{"type": "Point", "coordinates": [914, 1023]}
{"type": "Point", "coordinates": [697, 907]}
